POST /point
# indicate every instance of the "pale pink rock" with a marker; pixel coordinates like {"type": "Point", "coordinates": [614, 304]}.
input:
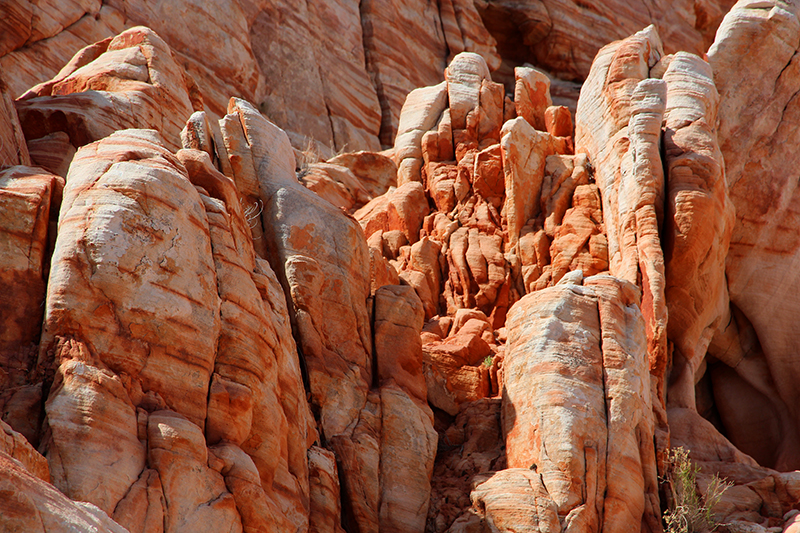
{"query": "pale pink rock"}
{"type": "Point", "coordinates": [13, 150]}
{"type": "Point", "coordinates": [515, 499]}
{"type": "Point", "coordinates": [135, 71]}
{"type": "Point", "coordinates": [177, 451]}
{"type": "Point", "coordinates": [321, 47]}
{"type": "Point", "coordinates": [92, 441]}
{"type": "Point", "coordinates": [256, 365]}
{"type": "Point", "coordinates": [53, 152]}
{"type": "Point", "coordinates": [593, 445]}
{"type": "Point", "coordinates": [359, 455]}
{"type": "Point", "coordinates": [51, 32]}
{"type": "Point", "coordinates": [29, 198]}
{"type": "Point", "coordinates": [408, 450]}
{"type": "Point", "coordinates": [699, 219]}
{"type": "Point", "coordinates": [421, 111]}
{"type": "Point", "coordinates": [143, 264]}
{"type": "Point", "coordinates": [323, 341]}
{"type": "Point", "coordinates": [322, 260]}
{"type": "Point", "coordinates": [477, 271]}
{"type": "Point", "coordinates": [243, 482]}
{"type": "Point", "coordinates": [398, 349]}
{"type": "Point", "coordinates": [618, 103]}
{"type": "Point", "coordinates": [525, 152]}
{"type": "Point", "coordinates": [35, 506]}
{"type": "Point", "coordinates": [760, 171]}
{"type": "Point", "coordinates": [453, 372]}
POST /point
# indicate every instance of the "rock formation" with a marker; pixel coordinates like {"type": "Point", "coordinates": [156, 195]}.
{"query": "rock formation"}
{"type": "Point", "coordinates": [503, 321]}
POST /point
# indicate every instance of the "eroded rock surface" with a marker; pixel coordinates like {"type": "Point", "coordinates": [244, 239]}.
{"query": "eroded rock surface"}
{"type": "Point", "coordinates": [501, 323]}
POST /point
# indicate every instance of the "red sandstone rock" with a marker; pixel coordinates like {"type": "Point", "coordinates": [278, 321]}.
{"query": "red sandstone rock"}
{"type": "Point", "coordinates": [590, 341]}
{"type": "Point", "coordinates": [563, 36]}
{"type": "Point", "coordinates": [30, 504]}
{"type": "Point", "coordinates": [375, 171]}
{"type": "Point", "coordinates": [325, 514]}
{"type": "Point", "coordinates": [337, 184]}
{"type": "Point", "coordinates": [699, 221]}
{"type": "Point", "coordinates": [760, 171]}
{"type": "Point", "coordinates": [402, 209]}
{"type": "Point", "coordinates": [134, 71]}
{"type": "Point", "coordinates": [618, 124]}
{"type": "Point", "coordinates": [532, 96]}
{"type": "Point", "coordinates": [240, 430]}
{"type": "Point", "coordinates": [13, 150]}
{"type": "Point", "coordinates": [29, 198]}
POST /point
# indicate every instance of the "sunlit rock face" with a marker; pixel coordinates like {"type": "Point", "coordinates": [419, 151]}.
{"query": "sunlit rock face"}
{"type": "Point", "coordinates": [369, 267]}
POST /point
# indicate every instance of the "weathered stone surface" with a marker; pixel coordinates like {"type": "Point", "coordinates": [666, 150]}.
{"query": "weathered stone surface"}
{"type": "Point", "coordinates": [17, 448]}
{"type": "Point", "coordinates": [41, 39]}
{"type": "Point", "coordinates": [320, 46]}
{"type": "Point", "coordinates": [92, 442]}
{"type": "Point", "coordinates": [177, 451]}
{"type": "Point", "coordinates": [398, 70]}
{"type": "Point", "coordinates": [579, 242]}
{"type": "Point", "coordinates": [30, 504]}
{"type": "Point", "coordinates": [699, 221]}
{"type": "Point", "coordinates": [421, 111]}
{"type": "Point", "coordinates": [515, 499]}
{"type": "Point", "coordinates": [408, 449]}
{"type": "Point", "coordinates": [135, 71]}
{"type": "Point", "coordinates": [618, 124]}
{"type": "Point", "coordinates": [563, 36]}
{"type": "Point", "coordinates": [525, 153]}
{"type": "Point", "coordinates": [532, 96]}
{"type": "Point", "coordinates": [402, 209]}
{"type": "Point", "coordinates": [335, 183]}
{"type": "Point", "coordinates": [13, 150]}
{"type": "Point", "coordinates": [398, 349]}
{"type": "Point", "coordinates": [593, 445]}
{"type": "Point", "coordinates": [29, 200]}
{"type": "Point", "coordinates": [325, 515]}
{"type": "Point", "coordinates": [256, 366]}
{"type": "Point", "coordinates": [754, 137]}
{"type": "Point", "coordinates": [322, 259]}
{"type": "Point", "coordinates": [375, 171]}
{"type": "Point", "coordinates": [472, 444]}
{"type": "Point", "coordinates": [315, 280]}
{"type": "Point", "coordinates": [132, 277]}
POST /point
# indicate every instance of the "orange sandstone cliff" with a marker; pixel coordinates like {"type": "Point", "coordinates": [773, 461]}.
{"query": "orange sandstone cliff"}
{"type": "Point", "coordinates": [380, 266]}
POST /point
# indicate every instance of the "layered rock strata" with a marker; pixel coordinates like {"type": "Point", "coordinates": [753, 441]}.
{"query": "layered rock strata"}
{"type": "Point", "coordinates": [508, 331]}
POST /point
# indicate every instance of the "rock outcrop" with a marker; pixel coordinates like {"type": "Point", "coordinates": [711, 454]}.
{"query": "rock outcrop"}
{"type": "Point", "coordinates": [507, 321]}
{"type": "Point", "coordinates": [754, 138]}
{"type": "Point", "coordinates": [356, 61]}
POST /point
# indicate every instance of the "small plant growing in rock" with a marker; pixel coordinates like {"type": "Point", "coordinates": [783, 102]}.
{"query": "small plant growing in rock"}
{"type": "Point", "coordinates": [488, 361]}
{"type": "Point", "coordinates": [690, 511]}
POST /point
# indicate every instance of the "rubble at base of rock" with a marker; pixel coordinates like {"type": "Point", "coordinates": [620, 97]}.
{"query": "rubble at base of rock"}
{"type": "Point", "coordinates": [224, 308]}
